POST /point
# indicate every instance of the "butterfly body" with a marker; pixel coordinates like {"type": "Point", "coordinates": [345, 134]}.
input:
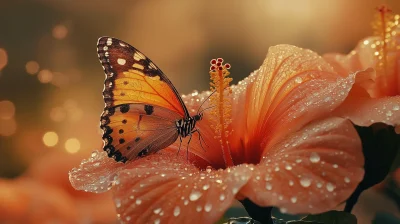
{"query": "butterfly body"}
{"type": "Point", "coordinates": [143, 112]}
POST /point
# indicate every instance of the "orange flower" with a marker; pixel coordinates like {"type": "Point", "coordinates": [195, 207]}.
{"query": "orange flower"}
{"type": "Point", "coordinates": [274, 127]}
{"type": "Point", "coordinates": [376, 95]}
{"type": "Point", "coordinates": [43, 194]}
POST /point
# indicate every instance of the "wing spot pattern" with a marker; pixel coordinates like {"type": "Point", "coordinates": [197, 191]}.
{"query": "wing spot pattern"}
{"type": "Point", "coordinates": [121, 61]}
{"type": "Point", "coordinates": [149, 109]}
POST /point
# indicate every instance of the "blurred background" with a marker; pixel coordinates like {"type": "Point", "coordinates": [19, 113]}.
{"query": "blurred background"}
{"type": "Point", "coordinates": [51, 80]}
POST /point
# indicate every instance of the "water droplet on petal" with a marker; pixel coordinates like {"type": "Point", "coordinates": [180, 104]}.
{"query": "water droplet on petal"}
{"type": "Point", "coordinates": [177, 210]}
{"type": "Point", "coordinates": [222, 197]}
{"type": "Point", "coordinates": [138, 201]}
{"type": "Point", "coordinates": [157, 210]}
{"type": "Point", "coordinates": [305, 181]}
{"type": "Point", "coordinates": [396, 107]}
{"type": "Point", "coordinates": [268, 186]}
{"type": "Point", "coordinates": [319, 185]}
{"type": "Point", "coordinates": [330, 187]}
{"type": "Point", "coordinates": [291, 183]}
{"type": "Point", "coordinates": [128, 218]}
{"type": "Point", "coordinates": [157, 221]}
{"type": "Point", "coordinates": [293, 199]}
{"type": "Point", "coordinates": [118, 202]}
{"type": "Point", "coordinates": [298, 80]}
{"type": "Point", "coordinates": [283, 210]}
{"type": "Point", "coordinates": [207, 207]}
{"type": "Point", "coordinates": [347, 180]}
{"type": "Point", "coordinates": [209, 169]}
{"type": "Point", "coordinates": [198, 208]}
{"type": "Point", "coordinates": [314, 157]}
{"type": "Point", "coordinates": [195, 195]}
{"type": "Point", "coordinates": [94, 154]}
{"type": "Point", "coordinates": [235, 190]}
{"type": "Point", "coordinates": [288, 167]}
{"type": "Point", "coordinates": [205, 187]}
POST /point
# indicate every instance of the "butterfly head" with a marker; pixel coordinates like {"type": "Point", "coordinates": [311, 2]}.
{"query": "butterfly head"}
{"type": "Point", "coordinates": [198, 116]}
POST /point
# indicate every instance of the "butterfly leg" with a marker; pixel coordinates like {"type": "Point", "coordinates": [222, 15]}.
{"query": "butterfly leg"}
{"type": "Point", "coordinates": [187, 148]}
{"type": "Point", "coordinates": [201, 139]}
{"type": "Point", "coordinates": [179, 149]}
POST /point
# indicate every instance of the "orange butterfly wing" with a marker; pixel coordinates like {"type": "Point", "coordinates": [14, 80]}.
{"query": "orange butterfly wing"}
{"type": "Point", "coordinates": [131, 77]}
{"type": "Point", "coordinates": [142, 105]}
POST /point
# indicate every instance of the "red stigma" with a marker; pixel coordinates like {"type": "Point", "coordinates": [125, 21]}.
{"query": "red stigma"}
{"type": "Point", "coordinates": [212, 67]}
{"type": "Point", "coordinates": [227, 66]}
{"type": "Point", "coordinates": [213, 61]}
{"type": "Point", "coordinates": [220, 60]}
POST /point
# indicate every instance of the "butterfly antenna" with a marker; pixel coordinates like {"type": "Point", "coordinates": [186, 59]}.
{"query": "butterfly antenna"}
{"type": "Point", "coordinates": [205, 101]}
{"type": "Point", "coordinates": [206, 109]}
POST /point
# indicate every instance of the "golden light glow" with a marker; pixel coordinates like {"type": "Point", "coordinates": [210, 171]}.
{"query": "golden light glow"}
{"type": "Point", "coordinates": [58, 114]}
{"type": "Point", "coordinates": [32, 67]}
{"type": "Point", "coordinates": [59, 79]}
{"type": "Point", "coordinates": [72, 145]}
{"type": "Point", "coordinates": [3, 58]}
{"type": "Point", "coordinates": [7, 109]}
{"type": "Point", "coordinates": [8, 127]}
{"type": "Point", "coordinates": [45, 76]}
{"type": "Point", "coordinates": [50, 139]}
{"type": "Point", "coordinates": [60, 32]}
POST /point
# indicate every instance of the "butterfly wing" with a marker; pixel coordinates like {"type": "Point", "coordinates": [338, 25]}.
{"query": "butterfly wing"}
{"type": "Point", "coordinates": [136, 130]}
{"type": "Point", "coordinates": [131, 77]}
{"type": "Point", "coordinates": [142, 105]}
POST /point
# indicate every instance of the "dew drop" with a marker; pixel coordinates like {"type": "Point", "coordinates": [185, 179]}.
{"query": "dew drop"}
{"type": "Point", "coordinates": [138, 201]}
{"type": "Point", "coordinates": [288, 167]}
{"type": "Point", "coordinates": [277, 168]}
{"type": "Point", "coordinates": [291, 182]}
{"type": "Point", "coordinates": [305, 181]}
{"type": "Point", "coordinates": [222, 197]}
{"type": "Point", "coordinates": [195, 195]}
{"type": "Point", "coordinates": [335, 166]}
{"type": "Point", "coordinates": [118, 202]}
{"type": "Point", "coordinates": [207, 207]}
{"type": "Point", "coordinates": [157, 210]}
{"type": "Point", "coordinates": [198, 208]}
{"type": "Point", "coordinates": [293, 199]}
{"type": "Point", "coordinates": [186, 202]}
{"type": "Point", "coordinates": [319, 185]}
{"type": "Point", "coordinates": [268, 186]}
{"type": "Point", "coordinates": [298, 80]}
{"type": "Point", "coordinates": [330, 187]}
{"type": "Point", "coordinates": [177, 210]}
{"type": "Point", "coordinates": [235, 190]}
{"type": "Point", "coordinates": [128, 218]}
{"type": "Point", "coordinates": [347, 180]}
{"type": "Point", "coordinates": [298, 160]}
{"type": "Point", "coordinates": [396, 107]}
{"type": "Point", "coordinates": [209, 169]}
{"type": "Point", "coordinates": [94, 153]}
{"type": "Point", "coordinates": [157, 221]}
{"type": "Point", "coordinates": [314, 157]}
{"type": "Point", "coordinates": [283, 210]}
{"type": "Point", "coordinates": [205, 187]}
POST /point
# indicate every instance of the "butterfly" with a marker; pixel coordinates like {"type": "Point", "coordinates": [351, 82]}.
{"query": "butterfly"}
{"type": "Point", "coordinates": [143, 112]}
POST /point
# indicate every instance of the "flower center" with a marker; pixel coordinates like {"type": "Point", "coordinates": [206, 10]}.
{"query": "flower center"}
{"type": "Point", "coordinates": [222, 106]}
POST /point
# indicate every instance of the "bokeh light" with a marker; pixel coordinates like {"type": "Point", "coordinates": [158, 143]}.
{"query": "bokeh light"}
{"type": "Point", "coordinates": [58, 114]}
{"type": "Point", "coordinates": [32, 67]}
{"type": "Point", "coordinates": [3, 58]}
{"type": "Point", "coordinates": [8, 127]}
{"type": "Point", "coordinates": [50, 139]}
{"type": "Point", "coordinates": [60, 32]}
{"type": "Point", "coordinates": [45, 76]}
{"type": "Point", "coordinates": [7, 109]}
{"type": "Point", "coordinates": [72, 145]}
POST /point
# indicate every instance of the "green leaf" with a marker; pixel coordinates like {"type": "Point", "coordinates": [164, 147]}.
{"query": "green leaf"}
{"type": "Point", "coordinates": [331, 217]}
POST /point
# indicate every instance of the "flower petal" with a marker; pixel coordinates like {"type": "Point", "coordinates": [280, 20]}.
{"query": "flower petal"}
{"type": "Point", "coordinates": [166, 188]}
{"type": "Point", "coordinates": [95, 174]}
{"type": "Point", "coordinates": [311, 171]}
{"type": "Point", "coordinates": [293, 87]}
{"type": "Point", "coordinates": [365, 111]}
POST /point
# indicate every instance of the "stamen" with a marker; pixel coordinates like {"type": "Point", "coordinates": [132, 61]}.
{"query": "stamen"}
{"type": "Point", "coordinates": [221, 113]}
{"type": "Point", "coordinates": [385, 25]}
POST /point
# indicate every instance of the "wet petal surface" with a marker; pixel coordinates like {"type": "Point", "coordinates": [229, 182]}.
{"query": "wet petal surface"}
{"type": "Point", "coordinates": [311, 171]}
{"type": "Point", "coordinates": [165, 188]}
{"type": "Point", "coordinates": [95, 174]}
